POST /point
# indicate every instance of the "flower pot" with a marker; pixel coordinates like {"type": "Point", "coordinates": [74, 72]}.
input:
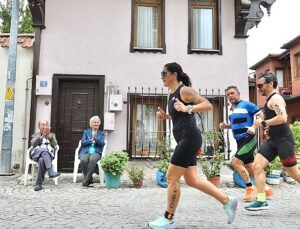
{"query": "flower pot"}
{"type": "Point", "coordinates": [112, 181]}
{"type": "Point", "coordinates": [215, 180]}
{"type": "Point", "coordinates": [161, 179]}
{"type": "Point", "coordinates": [239, 181]}
{"type": "Point", "coordinates": [137, 183]}
{"type": "Point", "coordinates": [273, 177]}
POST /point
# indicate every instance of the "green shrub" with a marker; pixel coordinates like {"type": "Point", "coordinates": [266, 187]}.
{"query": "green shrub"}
{"type": "Point", "coordinates": [165, 149]}
{"type": "Point", "coordinates": [295, 128]}
{"type": "Point", "coordinates": [163, 164]}
{"type": "Point", "coordinates": [135, 173]}
{"type": "Point", "coordinates": [211, 165]}
{"type": "Point", "coordinates": [274, 165]}
{"type": "Point", "coordinates": [115, 163]}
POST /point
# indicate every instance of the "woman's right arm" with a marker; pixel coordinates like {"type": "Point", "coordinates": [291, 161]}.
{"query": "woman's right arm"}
{"type": "Point", "coordinates": [85, 140]}
{"type": "Point", "coordinates": [161, 114]}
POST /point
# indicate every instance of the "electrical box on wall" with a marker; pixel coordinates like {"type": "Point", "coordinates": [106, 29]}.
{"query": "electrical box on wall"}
{"type": "Point", "coordinates": [115, 102]}
{"type": "Point", "coordinates": [109, 121]}
{"type": "Point", "coordinates": [43, 85]}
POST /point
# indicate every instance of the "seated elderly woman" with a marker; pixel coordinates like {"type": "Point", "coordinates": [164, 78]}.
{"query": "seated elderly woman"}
{"type": "Point", "coordinates": [93, 141]}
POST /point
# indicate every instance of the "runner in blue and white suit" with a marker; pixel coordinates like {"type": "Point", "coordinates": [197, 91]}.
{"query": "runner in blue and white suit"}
{"type": "Point", "coordinates": [241, 118]}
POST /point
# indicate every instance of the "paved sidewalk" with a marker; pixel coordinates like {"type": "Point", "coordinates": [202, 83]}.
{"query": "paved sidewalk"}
{"type": "Point", "coordinates": [69, 205]}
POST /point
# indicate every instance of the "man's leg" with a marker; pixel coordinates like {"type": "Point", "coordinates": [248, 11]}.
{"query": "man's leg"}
{"type": "Point", "coordinates": [41, 174]}
{"type": "Point", "coordinates": [269, 191]}
{"type": "Point", "coordinates": [48, 164]}
{"type": "Point", "coordinates": [238, 166]}
{"type": "Point", "coordinates": [293, 172]}
{"type": "Point", "coordinates": [94, 158]}
{"type": "Point", "coordinates": [260, 162]}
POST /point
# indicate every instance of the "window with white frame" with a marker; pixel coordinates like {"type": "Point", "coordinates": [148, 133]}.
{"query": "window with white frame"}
{"type": "Point", "coordinates": [147, 26]}
{"type": "Point", "coordinates": [145, 129]}
{"type": "Point", "coordinates": [204, 31]}
{"type": "Point", "coordinates": [279, 75]}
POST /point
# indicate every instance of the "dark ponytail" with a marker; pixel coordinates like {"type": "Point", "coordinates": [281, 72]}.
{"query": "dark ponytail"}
{"type": "Point", "coordinates": [181, 76]}
{"type": "Point", "coordinates": [185, 79]}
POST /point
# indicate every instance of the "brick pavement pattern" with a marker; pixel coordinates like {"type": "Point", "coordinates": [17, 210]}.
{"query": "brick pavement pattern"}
{"type": "Point", "coordinates": [69, 205]}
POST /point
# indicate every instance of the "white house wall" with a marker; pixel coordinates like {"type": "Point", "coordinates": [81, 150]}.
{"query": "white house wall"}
{"type": "Point", "coordinates": [93, 37]}
{"type": "Point", "coordinates": [23, 72]}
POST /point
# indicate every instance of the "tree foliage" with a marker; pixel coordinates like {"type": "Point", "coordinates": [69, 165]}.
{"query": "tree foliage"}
{"type": "Point", "coordinates": [25, 18]}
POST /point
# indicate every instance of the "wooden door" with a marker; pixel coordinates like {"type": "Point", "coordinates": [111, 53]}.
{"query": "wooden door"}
{"type": "Point", "coordinates": [77, 102]}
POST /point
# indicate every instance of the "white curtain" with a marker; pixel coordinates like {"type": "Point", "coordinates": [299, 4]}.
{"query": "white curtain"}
{"type": "Point", "coordinates": [147, 27]}
{"type": "Point", "coordinates": [279, 74]}
{"type": "Point", "coordinates": [146, 128]}
{"type": "Point", "coordinates": [203, 28]}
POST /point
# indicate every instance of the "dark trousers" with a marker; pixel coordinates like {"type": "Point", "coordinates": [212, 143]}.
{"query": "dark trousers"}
{"type": "Point", "coordinates": [88, 164]}
{"type": "Point", "coordinates": [45, 163]}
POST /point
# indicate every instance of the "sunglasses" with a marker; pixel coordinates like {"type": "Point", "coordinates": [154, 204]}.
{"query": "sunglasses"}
{"type": "Point", "coordinates": [259, 85]}
{"type": "Point", "coordinates": [163, 74]}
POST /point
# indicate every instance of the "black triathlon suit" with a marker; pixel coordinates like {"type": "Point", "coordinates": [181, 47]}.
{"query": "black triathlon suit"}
{"type": "Point", "coordinates": [186, 134]}
{"type": "Point", "coordinates": [281, 141]}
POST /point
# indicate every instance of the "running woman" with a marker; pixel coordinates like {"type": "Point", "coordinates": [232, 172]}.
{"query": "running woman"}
{"type": "Point", "coordinates": [183, 102]}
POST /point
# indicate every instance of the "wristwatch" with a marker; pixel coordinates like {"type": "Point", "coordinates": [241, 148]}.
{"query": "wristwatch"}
{"type": "Point", "coordinates": [264, 124]}
{"type": "Point", "coordinates": [190, 109]}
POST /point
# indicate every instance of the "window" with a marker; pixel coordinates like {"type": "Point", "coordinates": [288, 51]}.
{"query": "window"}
{"type": "Point", "coordinates": [297, 65]}
{"type": "Point", "coordinates": [204, 26]}
{"type": "Point", "coordinates": [147, 33]}
{"type": "Point", "coordinates": [209, 121]}
{"type": "Point", "coordinates": [144, 128]}
{"type": "Point", "coordinates": [279, 75]}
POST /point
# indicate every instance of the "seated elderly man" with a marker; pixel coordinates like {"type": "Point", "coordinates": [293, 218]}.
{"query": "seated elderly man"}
{"type": "Point", "coordinates": [93, 141]}
{"type": "Point", "coordinates": [44, 143]}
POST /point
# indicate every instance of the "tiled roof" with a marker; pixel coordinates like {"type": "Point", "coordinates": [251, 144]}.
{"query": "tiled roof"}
{"type": "Point", "coordinates": [291, 43]}
{"type": "Point", "coordinates": [268, 57]}
{"type": "Point", "coordinates": [25, 40]}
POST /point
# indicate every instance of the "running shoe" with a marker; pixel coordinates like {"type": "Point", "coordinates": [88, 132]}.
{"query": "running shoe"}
{"type": "Point", "coordinates": [257, 206]}
{"type": "Point", "coordinates": [250, 194]}
{"type": "Point", "coordinates": [230, 208]}
{"type": "Point", "coordinates": [162, 223]}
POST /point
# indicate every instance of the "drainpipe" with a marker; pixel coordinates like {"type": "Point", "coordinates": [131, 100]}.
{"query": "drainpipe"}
{"type": "Point", "coordinates": [35, 72]}
{"type": "Point", "coordinates": [25, 121]}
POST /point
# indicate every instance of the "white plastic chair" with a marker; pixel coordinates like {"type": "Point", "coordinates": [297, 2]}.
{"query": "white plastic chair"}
{"type": "Point", "coordinates": [35, 164]}
{"type": "Point", "coordinates": [77, 162]}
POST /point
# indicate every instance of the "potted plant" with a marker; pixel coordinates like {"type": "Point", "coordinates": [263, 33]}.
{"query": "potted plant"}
{"type": "Point", "coordinates": [164, 147]}
{"type": "Point", "coordinates": [211, 166]}
{"type": "Point", "coordinates": [136, 175]}
{"type": "Point", "coordinates": [211, 160]}
{"type": "Point", "coordinates": [237, 179]}
{"type": "Point", "coordinates": [273, 171]}
{"type": "Point", "coordinates": [113, 166]}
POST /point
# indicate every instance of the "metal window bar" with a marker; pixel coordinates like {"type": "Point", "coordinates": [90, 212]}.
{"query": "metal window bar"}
{"type": "Point", "coordinates": [148, 102]}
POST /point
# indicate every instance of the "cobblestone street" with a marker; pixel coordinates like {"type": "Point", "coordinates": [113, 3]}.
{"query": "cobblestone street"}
{"type": "Point", "coordinates": [69, 205]}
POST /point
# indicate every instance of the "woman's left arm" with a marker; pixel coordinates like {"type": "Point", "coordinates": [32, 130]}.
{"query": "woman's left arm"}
{"type": "Point", "coordinates": [190, 95]}
{"type": "Point", "coordinates": [100, 139]}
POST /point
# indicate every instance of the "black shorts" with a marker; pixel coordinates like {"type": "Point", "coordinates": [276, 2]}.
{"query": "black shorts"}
{"type": "Point", "coordinates": [283, 148]}
{"type": "Point", "coordinates": [246, 148]}
{"type": "Point", "coordinates": [188, 143]}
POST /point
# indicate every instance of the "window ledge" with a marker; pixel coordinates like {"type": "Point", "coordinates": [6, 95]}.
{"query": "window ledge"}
{"type": "Point", "coordinates": [205, 51]}
{"type": "Point", "coordinates": [148, 50]}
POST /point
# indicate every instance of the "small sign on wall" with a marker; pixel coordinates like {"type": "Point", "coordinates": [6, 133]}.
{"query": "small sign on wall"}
{"type": "Point", "coordinates": [43, 85]}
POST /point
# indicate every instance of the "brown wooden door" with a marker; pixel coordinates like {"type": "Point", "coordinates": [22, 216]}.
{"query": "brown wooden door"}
{"type": "Point", "coordinates": [78, 101]}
